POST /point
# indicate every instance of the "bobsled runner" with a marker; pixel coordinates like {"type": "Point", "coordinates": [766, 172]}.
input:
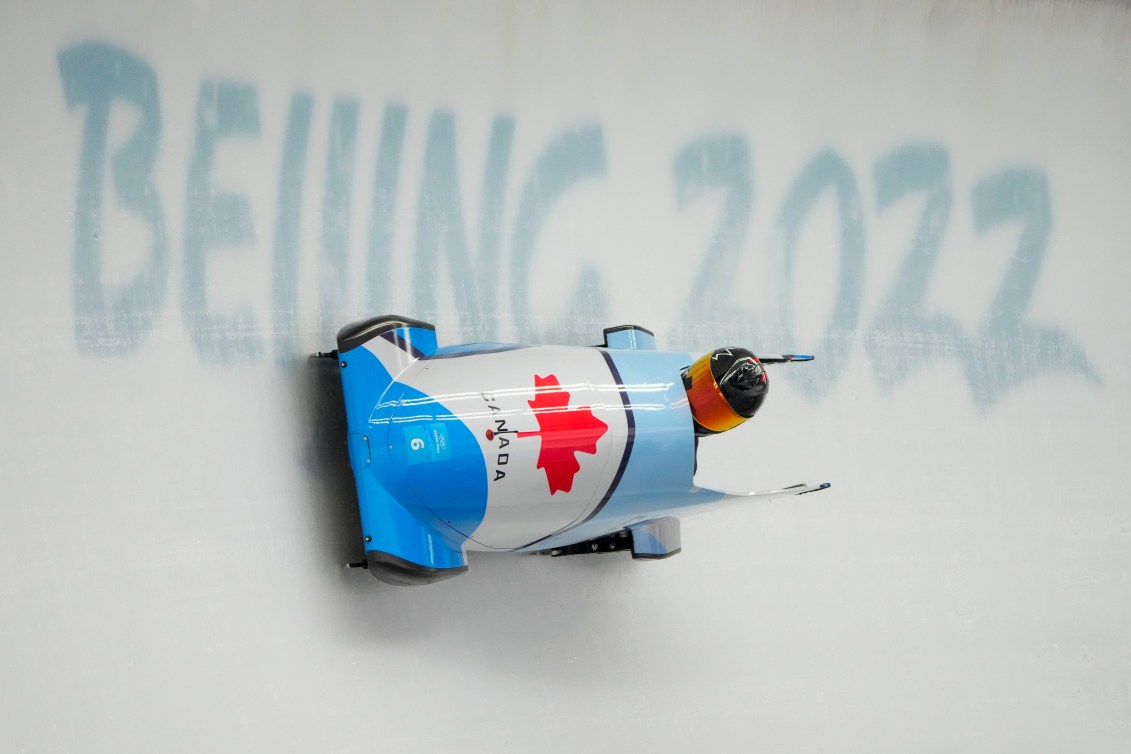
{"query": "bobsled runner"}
{"type": "Point", "coordinates": [554, 449]}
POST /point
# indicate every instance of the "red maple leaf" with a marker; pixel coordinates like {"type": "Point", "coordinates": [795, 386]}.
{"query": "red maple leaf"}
{"type": "Point", "coordinates": [563, 430]}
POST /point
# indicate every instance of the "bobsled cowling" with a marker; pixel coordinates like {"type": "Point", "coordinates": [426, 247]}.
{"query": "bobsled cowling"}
{"type": "Point", "coordinates": [504, 447]}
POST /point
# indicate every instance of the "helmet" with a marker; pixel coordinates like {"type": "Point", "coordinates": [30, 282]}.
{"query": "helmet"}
{"type": "Point", "coordinates": [725, 388]}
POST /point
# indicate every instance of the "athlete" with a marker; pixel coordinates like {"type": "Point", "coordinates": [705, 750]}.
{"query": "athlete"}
{"type": "Point", "coordinates": [724, 388]}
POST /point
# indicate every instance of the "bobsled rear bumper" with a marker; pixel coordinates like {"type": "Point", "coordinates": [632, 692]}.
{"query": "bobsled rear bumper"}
{"type": "Point", "coordinates": [400, 572]}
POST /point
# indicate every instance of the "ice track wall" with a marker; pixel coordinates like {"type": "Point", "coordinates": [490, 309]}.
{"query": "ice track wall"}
{"type": "Point", "coordinates": [931, 197]}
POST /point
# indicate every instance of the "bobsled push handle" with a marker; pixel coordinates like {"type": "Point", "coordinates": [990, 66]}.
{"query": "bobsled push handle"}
{"type": "Point", "coordinates": [781, 358]}
{"type": "Point", "coordinates": [630, 337]}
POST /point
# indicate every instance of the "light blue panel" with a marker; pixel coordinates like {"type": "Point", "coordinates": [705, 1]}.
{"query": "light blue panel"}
{"type": "Point", "coordinates": [661, 464]}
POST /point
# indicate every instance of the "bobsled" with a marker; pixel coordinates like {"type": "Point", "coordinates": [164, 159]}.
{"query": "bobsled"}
{"type": "Point", "coordinates": [561, 450]}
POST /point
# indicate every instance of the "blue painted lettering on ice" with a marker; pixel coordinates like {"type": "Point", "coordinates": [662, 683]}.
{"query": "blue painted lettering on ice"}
{"type": "Point", "coordinates": [215, 218]}
{"type": "Point", "coordinates": [901, 338]}
{"type": "Point", "coordinates": [113, 321]}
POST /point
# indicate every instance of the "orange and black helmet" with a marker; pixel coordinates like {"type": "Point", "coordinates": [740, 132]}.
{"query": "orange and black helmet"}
{"type": "Point", "coordinates": [725, 388]}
